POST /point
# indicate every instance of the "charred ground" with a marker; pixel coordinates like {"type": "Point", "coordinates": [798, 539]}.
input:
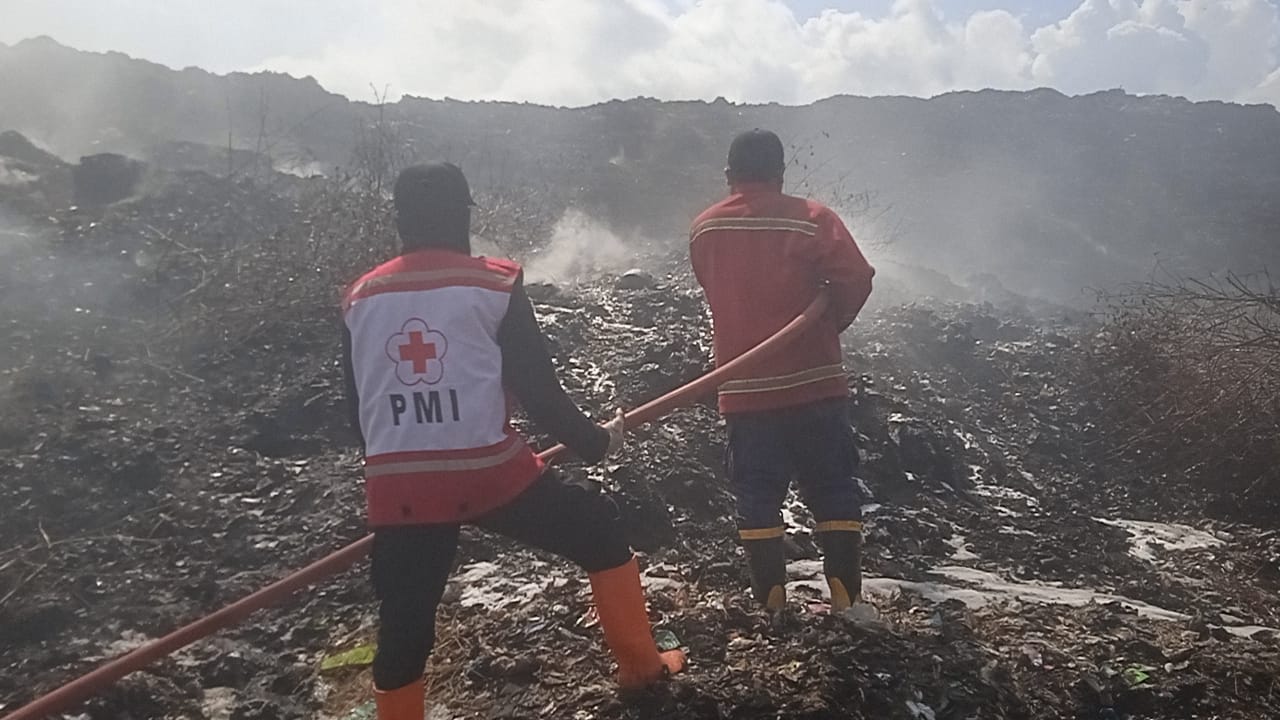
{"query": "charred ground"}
{"type": "Point", "coordinates": [173, 438]}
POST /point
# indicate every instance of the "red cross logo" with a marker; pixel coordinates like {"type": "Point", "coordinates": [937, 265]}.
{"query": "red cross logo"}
{"type": "Point", "coordinates": [418, 352]}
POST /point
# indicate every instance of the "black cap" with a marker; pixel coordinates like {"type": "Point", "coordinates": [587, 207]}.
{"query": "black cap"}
{"type": "Point", "coordinates": [756, 155]}
{"type": "Point", "coordinates": [423, 190]}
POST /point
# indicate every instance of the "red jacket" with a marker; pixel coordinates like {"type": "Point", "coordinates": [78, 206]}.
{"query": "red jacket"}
{"type": "Point", "coordinates": [761, 256]}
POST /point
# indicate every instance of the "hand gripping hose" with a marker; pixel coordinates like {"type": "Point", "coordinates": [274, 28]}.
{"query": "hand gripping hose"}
{"type": "Point", "coordinates": [86, 686]}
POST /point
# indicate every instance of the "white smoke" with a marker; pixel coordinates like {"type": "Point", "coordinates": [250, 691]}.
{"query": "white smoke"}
{"type": "Point", "coordinates": [14, 235]}
{"type": "Point", "coordinates": [13, 177]}
{"type": "Point", "coordinates": [580, 248]}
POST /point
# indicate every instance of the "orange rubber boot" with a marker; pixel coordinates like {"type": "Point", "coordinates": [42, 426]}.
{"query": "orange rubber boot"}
{"type": "Point", "coordinates": [625, 622]}
{"type": "Point", "coordinates": [406, 703]}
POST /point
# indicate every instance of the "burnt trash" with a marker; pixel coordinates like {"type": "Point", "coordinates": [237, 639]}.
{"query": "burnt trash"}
{"type": "Point", "coordinates": [228, 669]}
{"type": "Point", "coordinates": [139, 472]}
{"type": "Point", "coordinates": [635, 279]}
{"type": "Point", "coordinates": [106, 178]}
{"type": "Point", "coordinates": [977, 398]}
{"type": "Point", "coordinates": [34, 623]}
{"type": "Point", "coordinates": [101, 364]}
{"type": "Point", "coordinates": [645, 518]}
{"type": "Point", "coordinates": [259, 709]}
{"type": "Point", "coordinates": [269, 436]}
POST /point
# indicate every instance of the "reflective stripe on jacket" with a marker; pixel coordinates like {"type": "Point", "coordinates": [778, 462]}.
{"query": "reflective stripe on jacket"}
{"type": "Point", "coordinates": [760, 256]}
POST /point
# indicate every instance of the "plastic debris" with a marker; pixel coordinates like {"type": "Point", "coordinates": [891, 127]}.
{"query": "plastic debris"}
{"type": "Point", "coordinates": [367, 711]}
{"type": "Point", "coordinates": [356, 657]}
{"type": "Point", "coordinates": [865, 616]}
{"type": "Point", "coordinates": [920, 711]}
{"type": "Point", "coordinates": [1135, 675]}
{"type": "Point", "coordinates": [666, 640]}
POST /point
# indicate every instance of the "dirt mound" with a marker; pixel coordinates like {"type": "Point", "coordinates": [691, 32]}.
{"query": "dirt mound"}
{"type": "Point", "coordinates": [174, 438]}
{"type": "Point", "coordinates": [15, 146]}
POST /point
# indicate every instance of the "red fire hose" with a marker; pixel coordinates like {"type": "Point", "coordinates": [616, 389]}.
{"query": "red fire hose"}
{"type": "Point", "coordinates": [86, 686]}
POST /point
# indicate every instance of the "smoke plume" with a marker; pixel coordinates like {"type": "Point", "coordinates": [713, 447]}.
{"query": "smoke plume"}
{"type": "Point", "coordinates": [580, 247]}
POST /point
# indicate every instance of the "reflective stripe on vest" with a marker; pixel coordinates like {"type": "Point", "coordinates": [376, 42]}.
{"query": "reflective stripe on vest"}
{"type": "Point", "coordinates": [441, 462]}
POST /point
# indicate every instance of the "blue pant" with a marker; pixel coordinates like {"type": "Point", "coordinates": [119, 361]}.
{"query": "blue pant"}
{"type": "Point", "coordinates": [811, 444]}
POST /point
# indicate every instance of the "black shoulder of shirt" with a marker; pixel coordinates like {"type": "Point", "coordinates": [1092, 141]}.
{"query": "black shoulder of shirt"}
{"type": "Point", "coordinates": [529, 373]}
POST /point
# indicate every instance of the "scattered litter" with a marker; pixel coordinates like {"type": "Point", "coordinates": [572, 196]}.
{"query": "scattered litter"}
{"type": "Point", "coordinates": [218, 703]}
{"type": "Point", "coordinates": [1135, 676]}
{"type": "Point", "coordinates": [666, 640]}
{"type": "Point", "coordinates": [1056, 592]}
{"type": "Point", "coordinates": [977, 588]}
{"type": "Point", "coordinates": [367, 711]}
{"type": "Point", "coordinates": [921, 711]}
{"type": "Point", "coordinates": [962, 552]}
{"type": "Point", "coordinates": [864, 615]}
{"type": "Point", "coordinates": [1146, 537]}
{"type": "Point", "coordinates": [356, 657]}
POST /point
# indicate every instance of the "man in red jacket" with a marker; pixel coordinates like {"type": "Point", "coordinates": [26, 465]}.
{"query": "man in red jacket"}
{"type": "Point", "coordinates": [436, 346]}
{"type": "Point", "coordinates": [761, 257]}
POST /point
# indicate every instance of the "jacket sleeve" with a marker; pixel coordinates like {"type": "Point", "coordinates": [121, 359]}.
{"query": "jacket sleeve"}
{"type": "Point", "coordinates": [349, 384]}
{"type": "Point", "coordinates": [695, 257]}
{"type": "Point", "coordinates": [528, 373]}
{"type": "Point", "coordinates": [840, 263]}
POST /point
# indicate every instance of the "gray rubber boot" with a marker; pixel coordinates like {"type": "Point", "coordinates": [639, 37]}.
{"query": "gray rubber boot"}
{"type": "Point", "coordinates": [842, 564]}
{"type": "Point", "coordinates": [767, 561]}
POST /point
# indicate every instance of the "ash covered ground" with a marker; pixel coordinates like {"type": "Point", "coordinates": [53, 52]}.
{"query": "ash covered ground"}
{"type": "Point", "coordinates": [173, 438]}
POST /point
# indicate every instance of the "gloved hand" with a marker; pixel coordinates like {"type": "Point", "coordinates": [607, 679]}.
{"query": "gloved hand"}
{"type": "Point", "coordinates": [616, 428]}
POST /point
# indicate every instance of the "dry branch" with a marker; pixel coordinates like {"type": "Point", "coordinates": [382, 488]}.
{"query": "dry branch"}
{"type": "Point", "coordinates": [1190, 371]}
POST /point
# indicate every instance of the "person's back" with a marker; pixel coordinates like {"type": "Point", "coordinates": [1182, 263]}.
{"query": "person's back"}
{"type": "Point", "coordinates": [436, 346]}
{"type": "Point", "coordinates": [445, 396]}
{"type": "Point", "coordinates": [762, 257]}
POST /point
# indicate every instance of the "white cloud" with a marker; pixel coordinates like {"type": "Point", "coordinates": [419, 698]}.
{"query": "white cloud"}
{"type": "Point", "coordinates": [1203, 49]}
{"type": "Point", "coordinates": [1244, 42]}
{"type": "Point", "coordinates": [583, 51]}
{"type": "Point", "coordinates": [1268, 91]}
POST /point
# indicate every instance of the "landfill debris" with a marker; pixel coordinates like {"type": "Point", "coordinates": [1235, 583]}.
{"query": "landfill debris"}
{"type": "Point", "coordinates": [864, 615]}
{"type": "Point", "coordinates": [367, 711]}
{"type": "Point", "coordinates": [1135, 675]}
{"type": "Point", "coordinates": [921, 711]}
{"type": "Point", "coordinates": [355, 657]}
{"type": "Point", "coordinates": [162, 460]}
{"type": "Point", "coordinates": [635, 279]}
{"type": "Point", "coordinates": [666, 640]}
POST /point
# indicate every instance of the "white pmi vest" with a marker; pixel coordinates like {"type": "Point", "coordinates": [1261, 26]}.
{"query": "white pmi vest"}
{"type": "Point", "coordinates": [428, 369]}
{"type": "Point", "coordinates": [428, 373]}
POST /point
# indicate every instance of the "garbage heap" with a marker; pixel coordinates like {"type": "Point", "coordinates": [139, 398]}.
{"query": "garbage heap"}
{"type": "Point", "coordinates": [174, 438]}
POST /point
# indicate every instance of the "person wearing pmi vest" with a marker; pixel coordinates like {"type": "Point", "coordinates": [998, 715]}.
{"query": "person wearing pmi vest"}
{"type": "Point", "coordinates": [438, 345]}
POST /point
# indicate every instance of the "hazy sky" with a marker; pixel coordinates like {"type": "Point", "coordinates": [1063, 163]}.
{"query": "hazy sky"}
{"type": "Point", "coordinates": [581, 51]}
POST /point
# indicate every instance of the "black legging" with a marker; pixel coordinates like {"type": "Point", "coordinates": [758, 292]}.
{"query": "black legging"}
{"type": "Point", "coordinates": [411, 563]}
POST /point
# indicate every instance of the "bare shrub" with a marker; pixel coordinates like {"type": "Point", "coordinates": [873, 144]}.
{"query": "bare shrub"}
{"type": "Point", "coordinates": [809, 175]}
{"type": "Point", "coordinates": [515, 220]}
{"type": "Point", "coordinates": [380, 151]}
{"type": "Point", "coordinates": [269, 285]}
{"type": "Point", "coordinates": [1190, 371]}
